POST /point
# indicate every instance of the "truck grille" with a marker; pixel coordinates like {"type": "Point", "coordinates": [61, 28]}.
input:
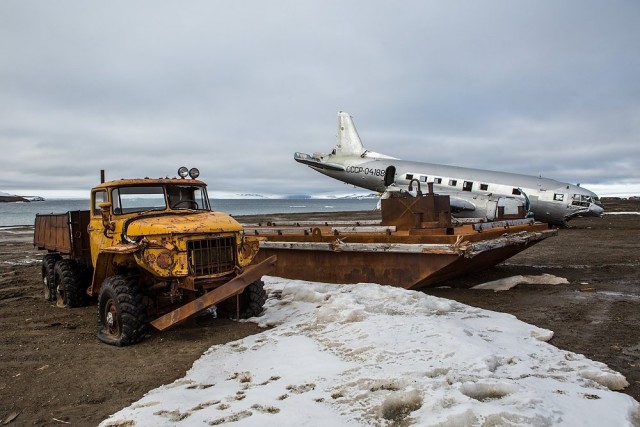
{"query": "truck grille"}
{"type": "Point", "coordinates": [211, 256]}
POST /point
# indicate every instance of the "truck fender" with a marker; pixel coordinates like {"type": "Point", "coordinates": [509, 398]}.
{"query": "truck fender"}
{"type": "Point", "coordinates": [106, 265]}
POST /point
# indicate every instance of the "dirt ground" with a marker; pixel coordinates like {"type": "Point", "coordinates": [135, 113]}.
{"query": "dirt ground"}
{"type": "Point", "coordinates": [53, 370]}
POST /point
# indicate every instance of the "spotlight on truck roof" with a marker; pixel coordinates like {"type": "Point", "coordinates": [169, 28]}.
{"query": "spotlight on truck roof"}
{"type": "Point", "coordinates": [194, 173]}
{"type": "Point", "coordinates": [183, 172]}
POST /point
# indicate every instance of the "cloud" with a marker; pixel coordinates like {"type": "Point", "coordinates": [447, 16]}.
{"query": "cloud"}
{"type": "Point", "coordinates": [139, 89]}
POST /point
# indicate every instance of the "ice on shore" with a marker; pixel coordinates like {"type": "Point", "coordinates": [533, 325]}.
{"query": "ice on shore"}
{"type": "Point", "coordinates": [510, 282]}
{"type": "Point", "coordinates": [375, 355]}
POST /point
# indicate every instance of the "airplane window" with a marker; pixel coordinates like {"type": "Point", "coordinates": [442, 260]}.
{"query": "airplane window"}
{"type": "Point", "coordinates": [423, 179]}
{"type": "Point", "coordinates": [437, 180]}
{"type": "Point", "coordinates": [558, 197]}
{"type": "Point", "coordinates": [453, 182]}
{"type": "Point", "coordinates": [484, 187]}
{"type": "Point", "coordinates": [409, 176]}
{"type": "Point", "coordinates": [467, 186]}
{"type": "Point", "coordinates": [516, 192]}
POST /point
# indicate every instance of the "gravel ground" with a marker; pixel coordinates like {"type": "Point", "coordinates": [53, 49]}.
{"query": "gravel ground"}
{"type": "Point", "coordinates": [53, 369]}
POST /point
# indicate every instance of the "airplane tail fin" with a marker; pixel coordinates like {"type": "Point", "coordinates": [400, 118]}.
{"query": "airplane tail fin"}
{"type": "Point", "coordinates": [349, 143]}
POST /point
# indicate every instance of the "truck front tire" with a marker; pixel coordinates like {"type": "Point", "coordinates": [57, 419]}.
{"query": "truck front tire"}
{"type": "Point", "coordinates": [252, 301]}
{"type": "Point", "coordinates": [48, 276]}
{"type": "Point", "coordinates": [121, 312]}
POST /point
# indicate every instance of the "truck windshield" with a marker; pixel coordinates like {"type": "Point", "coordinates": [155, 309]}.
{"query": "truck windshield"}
{"type": "Point", "coordinates": [138, 199]}
{"type": "Point", "coordinates": [152, 197]}
{"type": "Point", "coordinates": [187, 197]}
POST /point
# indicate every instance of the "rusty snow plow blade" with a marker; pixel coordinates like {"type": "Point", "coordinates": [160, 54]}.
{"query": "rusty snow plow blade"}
{"type": "Point", "coordinates": [414, 246]}
{"type": "Point", "coordinates": [219, 294]}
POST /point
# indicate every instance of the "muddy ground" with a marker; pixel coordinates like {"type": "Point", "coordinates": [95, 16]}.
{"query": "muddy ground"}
{"type": "Point", "coordinates": [54, 371]}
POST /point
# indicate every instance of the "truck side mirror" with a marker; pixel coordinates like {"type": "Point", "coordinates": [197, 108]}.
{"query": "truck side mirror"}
{"type": "Point", "coordinates": [105, 212]}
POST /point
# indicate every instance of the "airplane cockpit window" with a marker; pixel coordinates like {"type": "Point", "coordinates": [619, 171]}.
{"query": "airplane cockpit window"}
{"type": "Point", "coordinates": [453, 182]}
{"type": "Point", "coordinates": [467, 186]}
{"type": "Point", "coordinates": [581, 200]}
{"type": "Point", "coordinates": [516, 192]}
{"type": "Point", "coordinates": [484, 187]}
{"type": "Point", "coordinates": [409, 176]}
{"type": "Point", "coordinates": [558, 197]}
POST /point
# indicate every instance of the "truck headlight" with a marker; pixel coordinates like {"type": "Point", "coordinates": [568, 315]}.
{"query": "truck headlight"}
{"type": "Point", "coordinates": [164, 260]}
{"type": "Point", "coordinates": [183, 172]}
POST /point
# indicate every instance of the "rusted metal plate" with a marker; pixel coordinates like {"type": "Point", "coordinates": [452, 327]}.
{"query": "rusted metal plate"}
{"type": "Point", "coordinates": [80, 246]}
{"type": "Point", "coordinates": [365, 229]}
{"type": "Point", "coordinates": [65, 233]}
{"type": "Point", "coordinates": [183, 224]}
{"type": "Point", "coordinates": [52, 232]}
{"type": "Point", "coordinates": [341, 246]}
{"type": "Point", "coordinates": [416, 246]}
{"type": "Point", "coordinates": [221, 293]}
{"type": "Point", "coordinates": [482, 260]}
{"type": "Point", "coordinates": [408, 266]}
{"type": "Point", "coordinates": [426, 211]}
{"type": "Point", "coordinates": [386, 268]}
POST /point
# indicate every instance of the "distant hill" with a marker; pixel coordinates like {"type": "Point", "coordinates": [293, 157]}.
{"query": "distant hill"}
{"type": "Point", "coordinates": [6, 197]}
{"type": "Point", "coordinates": [12, 199]}
{"type": "Point", "coordinates": [334, 196]}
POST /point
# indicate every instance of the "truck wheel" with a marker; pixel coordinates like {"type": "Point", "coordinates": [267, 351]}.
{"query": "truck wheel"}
{"type": "Point", "coordinates": [121, 312]}
{"type": "Point", "coordinates": [48, 281]}
{"type": "Point", "coordinates": [252, 301]}
{"type": "Point", "coordinates": [69, 286]}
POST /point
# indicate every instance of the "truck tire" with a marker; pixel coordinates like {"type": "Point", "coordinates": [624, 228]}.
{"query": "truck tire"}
{"type": "Point", "coordinates": [121, 312]}
{"type": "Point", "coordinates": [252, 301]}
{"type": "Point", "coordinates": [48, 280]}
{"type": "Point", "coordinates": [69, 284]}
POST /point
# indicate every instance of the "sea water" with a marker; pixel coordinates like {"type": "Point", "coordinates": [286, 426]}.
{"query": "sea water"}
{"type": "Point", "coordinates": [23, 213]}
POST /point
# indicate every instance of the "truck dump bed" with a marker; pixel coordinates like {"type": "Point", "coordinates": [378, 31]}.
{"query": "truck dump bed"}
{"type": "Point", "coordinates": [65, 233]}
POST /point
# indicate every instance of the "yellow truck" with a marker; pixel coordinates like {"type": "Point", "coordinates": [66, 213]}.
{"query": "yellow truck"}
{"type": "Point", "coordinates": [150, 251]}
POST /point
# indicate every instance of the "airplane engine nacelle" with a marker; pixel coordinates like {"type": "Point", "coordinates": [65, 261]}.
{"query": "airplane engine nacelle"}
{"type": "Point", "coordinates": [491, 208]}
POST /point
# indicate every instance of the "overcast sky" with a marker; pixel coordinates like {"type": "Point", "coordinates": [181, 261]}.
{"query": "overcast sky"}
{"type": "Point", "coordinates": [236, 87]}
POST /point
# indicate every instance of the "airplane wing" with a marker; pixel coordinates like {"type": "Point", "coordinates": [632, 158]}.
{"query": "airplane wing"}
{"type": "Point", "coordinates": [315, 163]}
{"type": "Point", "coordinates": [458, 204]}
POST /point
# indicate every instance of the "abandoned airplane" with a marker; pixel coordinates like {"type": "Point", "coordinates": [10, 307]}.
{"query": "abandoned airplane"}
{"type": "Point", "coordinates": [474, 193]}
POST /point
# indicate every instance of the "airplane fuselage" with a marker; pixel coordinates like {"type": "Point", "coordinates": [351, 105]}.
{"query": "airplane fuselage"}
{"type": "Point", "coordinates": [472, 191]}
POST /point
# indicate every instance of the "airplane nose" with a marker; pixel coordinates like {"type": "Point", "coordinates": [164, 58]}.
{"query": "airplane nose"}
{"type": "Point", "coordinates": [596, 210]}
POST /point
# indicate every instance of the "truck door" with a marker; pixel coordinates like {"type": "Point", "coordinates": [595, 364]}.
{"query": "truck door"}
{"type": "Point", "coordinates": [96, 229]}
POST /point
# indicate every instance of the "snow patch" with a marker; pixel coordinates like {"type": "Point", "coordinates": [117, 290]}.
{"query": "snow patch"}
{"type": "Point", "coordinates": [606, 378]}
{"type": "Point", "coordinates": [374, 355]}
{"type": "Point", "coordinates": [510, 282]}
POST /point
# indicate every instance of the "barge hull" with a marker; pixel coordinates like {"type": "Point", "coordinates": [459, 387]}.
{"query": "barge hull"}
{"type": "Point", "coordinates": [406, 266]}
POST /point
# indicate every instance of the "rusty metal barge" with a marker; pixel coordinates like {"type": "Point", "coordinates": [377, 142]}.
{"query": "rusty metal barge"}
{"type": "Point", "coordinates": [415, 245]}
